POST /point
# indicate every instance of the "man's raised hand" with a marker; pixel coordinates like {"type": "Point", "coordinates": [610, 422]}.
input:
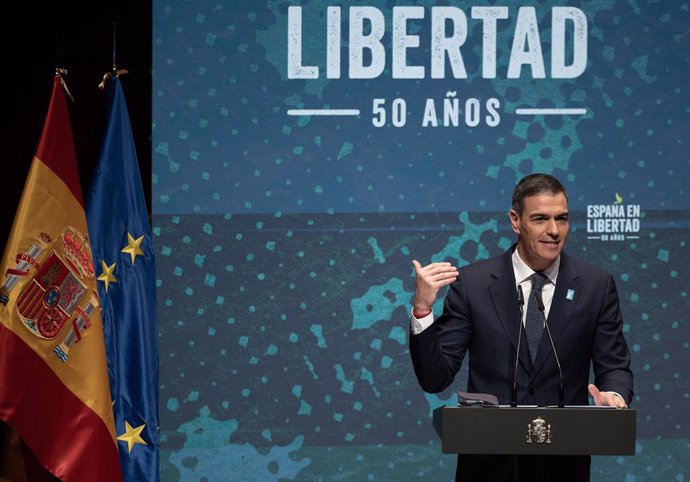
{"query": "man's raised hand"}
{"type": "Point", "coordinates": [430, 279]}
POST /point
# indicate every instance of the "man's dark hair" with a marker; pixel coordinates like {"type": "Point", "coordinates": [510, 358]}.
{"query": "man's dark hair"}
{"type": "Point", "coordinates": [534, 184]}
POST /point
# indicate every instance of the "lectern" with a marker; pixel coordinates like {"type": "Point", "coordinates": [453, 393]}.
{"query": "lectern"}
{"type": "Point", "coordinates": [519, 430]}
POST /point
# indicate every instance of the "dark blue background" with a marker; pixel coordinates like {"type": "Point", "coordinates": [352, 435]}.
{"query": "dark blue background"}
{"type": "Point", "coordinates": [284, 244]}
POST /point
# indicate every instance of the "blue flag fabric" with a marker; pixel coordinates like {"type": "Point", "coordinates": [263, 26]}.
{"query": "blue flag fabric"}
{"type": "Point", "coordinates": [123, 255]}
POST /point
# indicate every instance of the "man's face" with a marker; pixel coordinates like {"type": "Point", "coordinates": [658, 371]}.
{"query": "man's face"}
{"type": "Point", "coordinates": [543, 229]}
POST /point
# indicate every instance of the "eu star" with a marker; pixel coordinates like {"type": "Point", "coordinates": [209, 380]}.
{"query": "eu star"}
{"type": "Point", "coordinates": [107, 275]}
{"type": "Point", "coordinates": [132, 435]}
{"type": "Point", "coordinates": [133, 247]}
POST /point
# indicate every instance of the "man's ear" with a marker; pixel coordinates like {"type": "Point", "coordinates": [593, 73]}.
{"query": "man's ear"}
{"type": "Point", "coordinates": [514, 221]}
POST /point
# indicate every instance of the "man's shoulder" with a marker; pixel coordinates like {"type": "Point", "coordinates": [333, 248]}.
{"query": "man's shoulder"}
{"type": "Point", "coordinates": [581, 266]}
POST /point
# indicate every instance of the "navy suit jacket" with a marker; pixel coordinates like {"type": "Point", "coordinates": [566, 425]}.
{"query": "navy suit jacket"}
{"type": "Point", "coordinates": [481, 317]}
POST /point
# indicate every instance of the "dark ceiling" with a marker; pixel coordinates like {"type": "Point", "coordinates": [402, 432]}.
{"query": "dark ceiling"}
{"type": "Point", "coordinates": [77, 36]}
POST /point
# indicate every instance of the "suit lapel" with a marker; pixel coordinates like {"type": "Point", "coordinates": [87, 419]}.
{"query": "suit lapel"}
{"type": "Point", "coordinates": [506, 306]}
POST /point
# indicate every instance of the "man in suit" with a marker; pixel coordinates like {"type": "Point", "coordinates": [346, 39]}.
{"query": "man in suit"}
{"type": "Point", "coordinates": [482, 317]}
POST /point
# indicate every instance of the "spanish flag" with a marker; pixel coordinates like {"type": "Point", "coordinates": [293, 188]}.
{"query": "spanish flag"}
{"type": "Point", "coordinates": [54, 390]}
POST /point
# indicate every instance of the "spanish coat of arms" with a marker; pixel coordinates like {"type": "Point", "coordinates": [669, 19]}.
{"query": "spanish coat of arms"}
{"type": "Point", "coordinates": [538, 431]}
{"type": "Point", "coordinates": [54, 294]}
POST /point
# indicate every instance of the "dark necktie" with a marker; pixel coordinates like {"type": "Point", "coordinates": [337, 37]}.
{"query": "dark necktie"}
{"type": "Point", "coordinates": [534, 320]}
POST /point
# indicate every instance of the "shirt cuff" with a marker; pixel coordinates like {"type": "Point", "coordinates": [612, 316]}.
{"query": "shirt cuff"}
{"type": "Point", "coordinates": [419, 325]}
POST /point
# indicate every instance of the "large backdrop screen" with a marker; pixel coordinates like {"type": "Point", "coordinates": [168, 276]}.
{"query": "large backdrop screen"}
{"type": "Point", "coordinates": [306, 152]}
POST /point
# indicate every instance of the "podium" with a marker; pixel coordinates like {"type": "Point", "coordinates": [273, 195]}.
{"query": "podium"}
{"type": "Point", "coordinates": [573, 430]}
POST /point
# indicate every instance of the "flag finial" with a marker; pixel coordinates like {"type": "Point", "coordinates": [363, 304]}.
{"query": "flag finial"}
{"type": "Point", "coordinates": [60, 73]}
{"type": "Point", "coordinates": [114, 72]}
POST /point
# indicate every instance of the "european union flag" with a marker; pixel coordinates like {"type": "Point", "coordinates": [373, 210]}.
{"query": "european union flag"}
{"type": "Point", "coordinates": [123, 256]}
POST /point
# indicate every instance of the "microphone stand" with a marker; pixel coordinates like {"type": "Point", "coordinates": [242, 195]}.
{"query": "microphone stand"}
{"type": "Point", "coordinates": [561, 392]}
{"type": "Point", "coordinates": [521, 303]}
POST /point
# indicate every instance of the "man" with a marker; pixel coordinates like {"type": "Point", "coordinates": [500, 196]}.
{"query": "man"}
{"type": "Point", "coordinates": [481, 316]}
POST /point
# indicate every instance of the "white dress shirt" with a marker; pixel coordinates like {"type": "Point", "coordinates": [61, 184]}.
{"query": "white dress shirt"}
{"type": "Point", "coordinates": [523, 277]}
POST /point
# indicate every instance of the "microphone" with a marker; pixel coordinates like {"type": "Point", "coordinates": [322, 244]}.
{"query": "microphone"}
{"type": "Point", "coordinates": [561, 392]}
{"type": "Point", "coordinates": [521, 303]}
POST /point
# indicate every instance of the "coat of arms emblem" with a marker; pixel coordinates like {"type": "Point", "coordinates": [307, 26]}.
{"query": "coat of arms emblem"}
{"type": "Point", "coordinates": [55, 295]}
{"type": "Point", "coordinates": [538, 431]}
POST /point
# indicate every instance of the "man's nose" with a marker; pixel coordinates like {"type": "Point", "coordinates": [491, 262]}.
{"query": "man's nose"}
{"type": "Point", "coordinates": [552, 228]}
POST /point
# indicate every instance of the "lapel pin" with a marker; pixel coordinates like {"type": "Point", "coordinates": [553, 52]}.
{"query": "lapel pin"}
{"type": "Point", "coordinates": [570, 295]}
